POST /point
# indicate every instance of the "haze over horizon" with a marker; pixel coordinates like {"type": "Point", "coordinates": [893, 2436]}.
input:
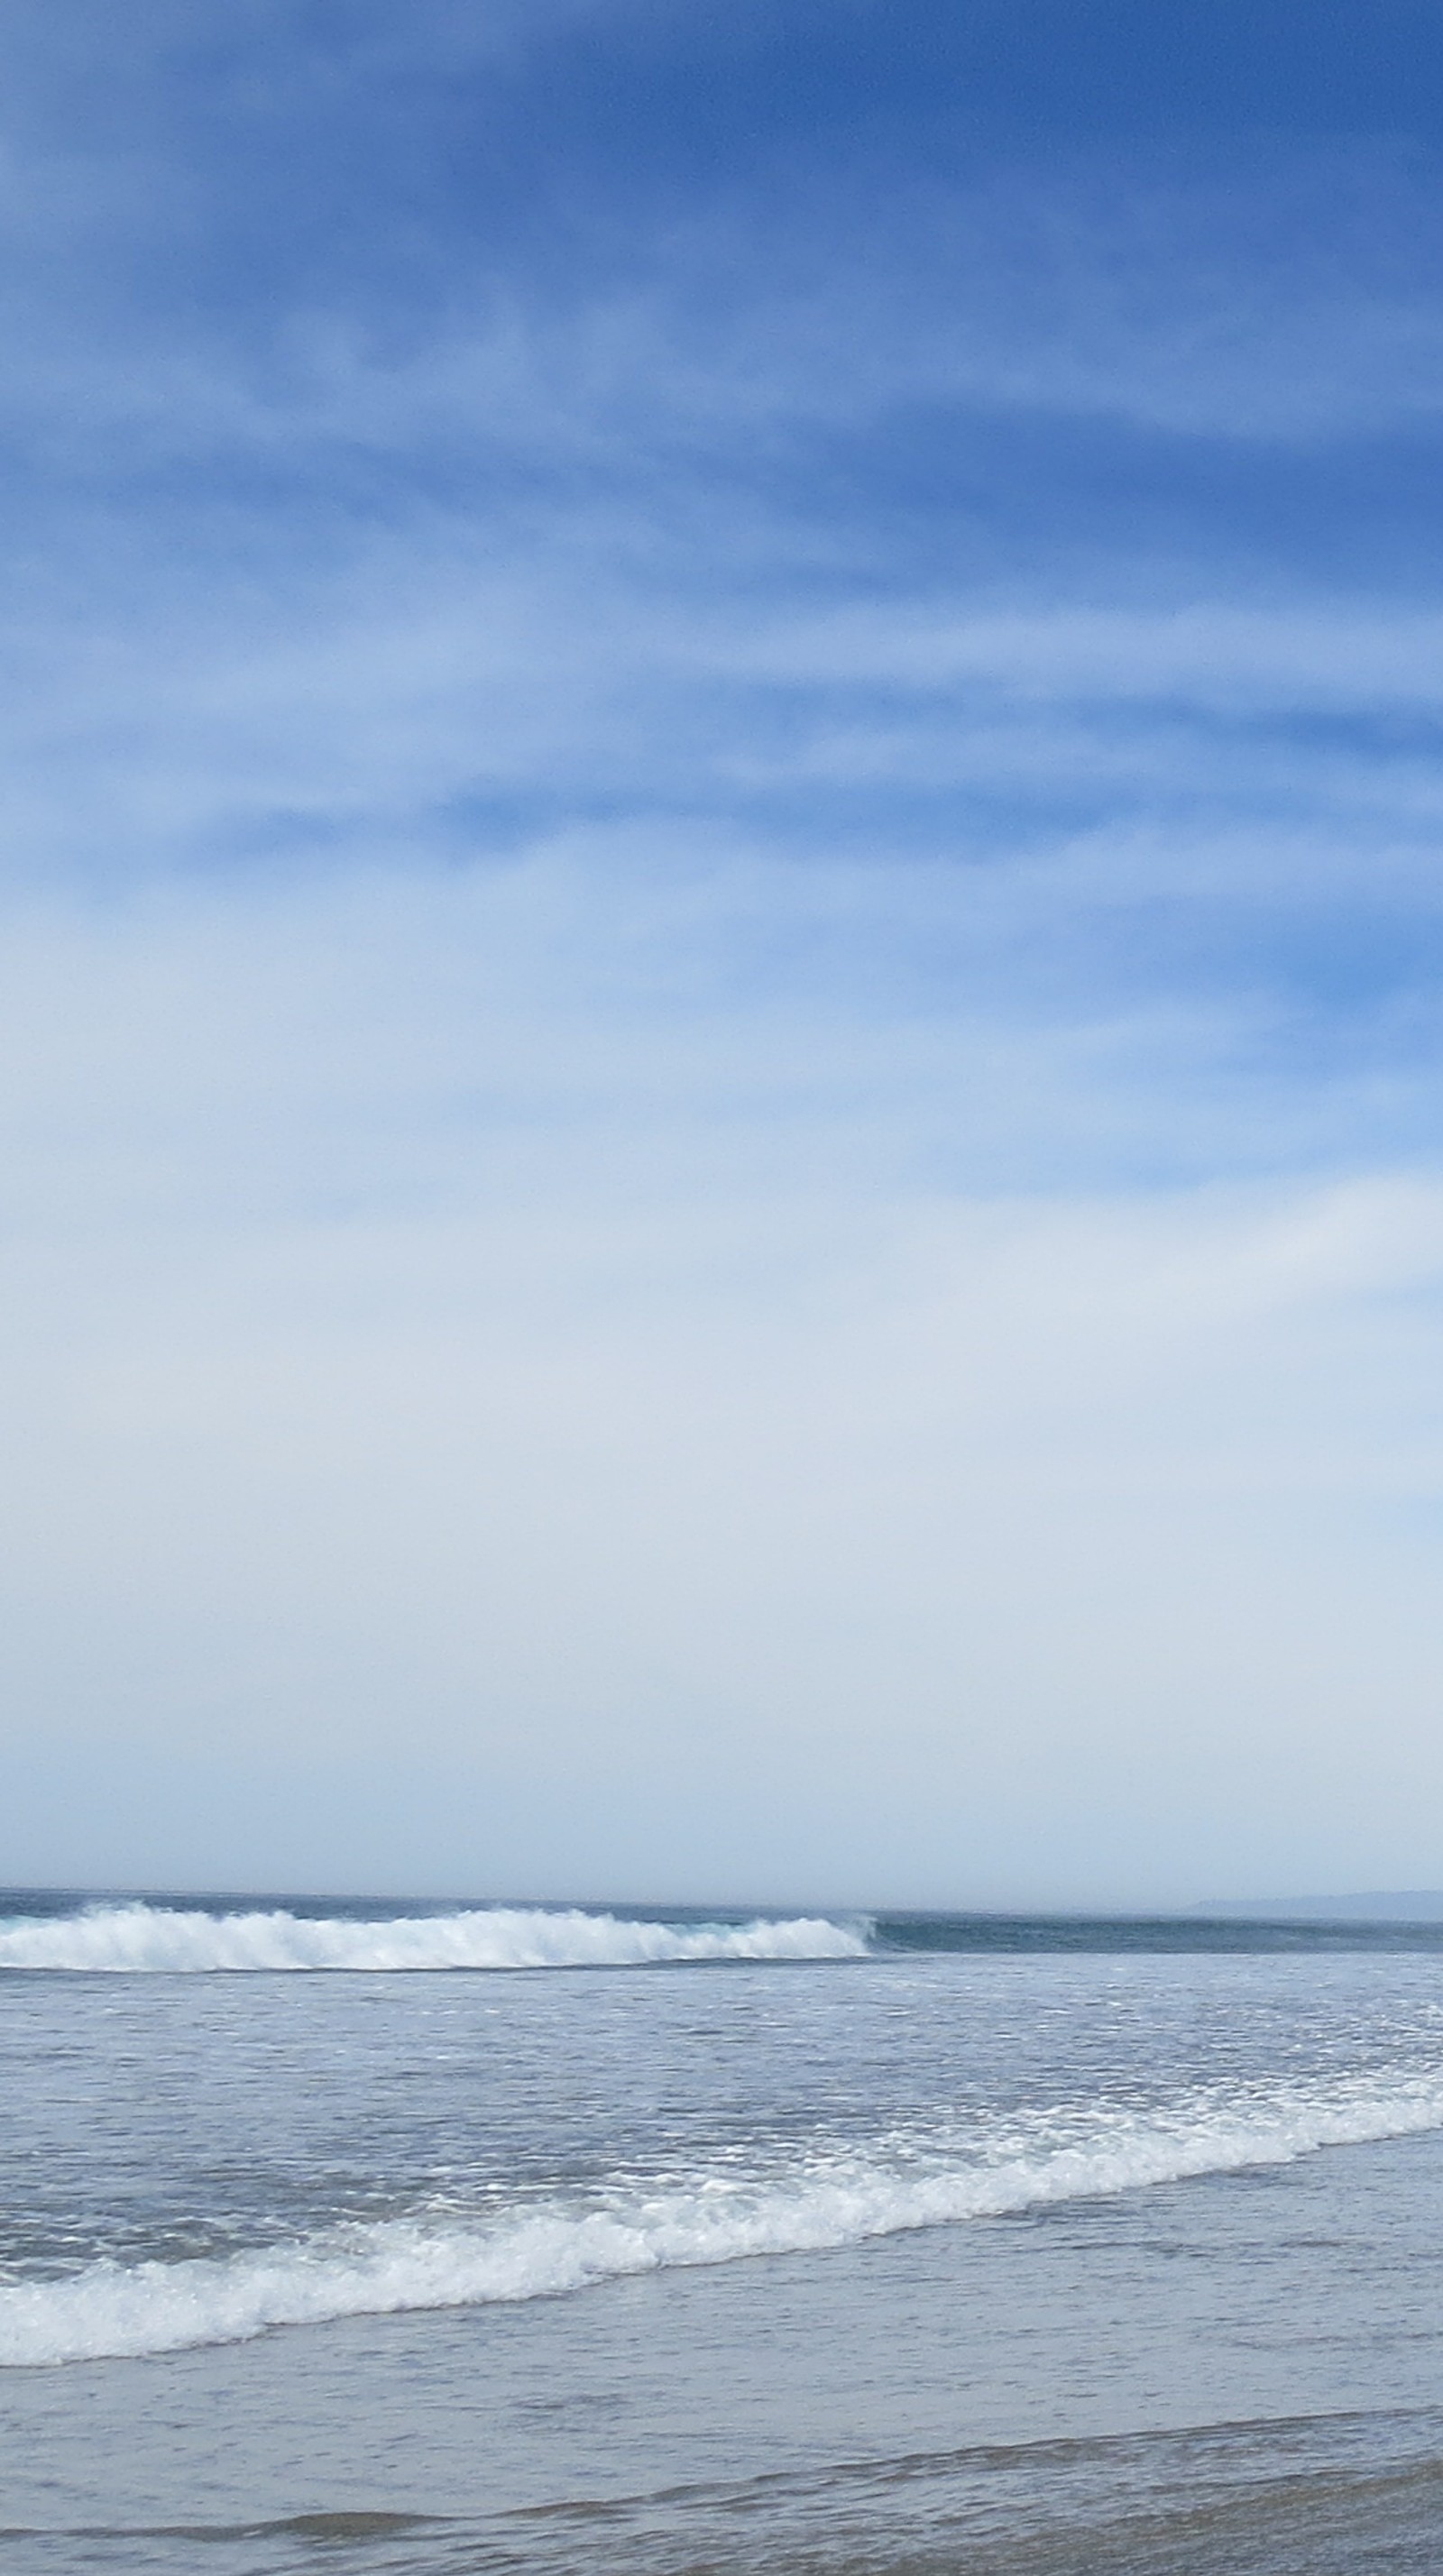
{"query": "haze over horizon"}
{"type": "Point", "coordinates": [721, 949]}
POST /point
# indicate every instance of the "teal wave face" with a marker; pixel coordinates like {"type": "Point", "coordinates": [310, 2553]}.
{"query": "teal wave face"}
{"type": "Point", "coordinates": [1148, 1932]}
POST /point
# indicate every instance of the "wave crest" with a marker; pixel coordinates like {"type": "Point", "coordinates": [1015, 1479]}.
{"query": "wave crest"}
{"type": "Point", "coordinates": [434, 2262]}
{"type": "Point", "coordinates": [161, 1940]}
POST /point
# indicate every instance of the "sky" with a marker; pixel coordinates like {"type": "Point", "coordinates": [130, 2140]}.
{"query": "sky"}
{"type": "Point", "coordinates": [721, 940]}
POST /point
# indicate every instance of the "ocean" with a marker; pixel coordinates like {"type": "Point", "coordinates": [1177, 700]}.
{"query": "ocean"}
{"type": "Point", "coordinates": [505, 2240]}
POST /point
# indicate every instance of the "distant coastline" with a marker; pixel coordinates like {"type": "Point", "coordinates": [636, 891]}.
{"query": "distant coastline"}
{"type": "Point", "coordinates": [1417, 1905]}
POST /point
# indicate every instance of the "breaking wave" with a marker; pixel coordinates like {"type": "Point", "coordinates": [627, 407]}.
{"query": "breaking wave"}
{"type": "Point", "coordinates": [163, 1940]}
{"type": "Point", "coordinates": [434, 2262]}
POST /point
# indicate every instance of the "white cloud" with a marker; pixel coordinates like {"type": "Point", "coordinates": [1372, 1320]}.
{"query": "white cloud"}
{"type": "Point", "coordinates": [850, 1304]}
{"type": "Point", "coordinates": [425, 1356]}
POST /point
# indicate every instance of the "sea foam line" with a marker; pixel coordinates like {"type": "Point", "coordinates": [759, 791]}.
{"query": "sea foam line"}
{"type": "Point", "coordinates": [109, 2310]}
{"type": "Point", "coordinates": [161, 1940]}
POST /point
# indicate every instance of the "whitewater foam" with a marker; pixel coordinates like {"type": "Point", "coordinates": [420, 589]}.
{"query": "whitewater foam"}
{"type": "Point", "coordinates": [836, 2199]}
{"type": "Point", "coordinates": [158, 1940]}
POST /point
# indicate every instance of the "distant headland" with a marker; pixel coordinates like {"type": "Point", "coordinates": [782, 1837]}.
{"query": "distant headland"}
{"type": "Point", "coordinates": [1416, 1905]}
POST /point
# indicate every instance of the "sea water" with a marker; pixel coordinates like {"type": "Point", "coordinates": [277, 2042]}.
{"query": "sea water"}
{"type": "Point", "coordinates": [422, 2240]}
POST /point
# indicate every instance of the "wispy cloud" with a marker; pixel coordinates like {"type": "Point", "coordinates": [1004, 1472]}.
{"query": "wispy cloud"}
{"type": "Point", "coordinates": [722, 930]}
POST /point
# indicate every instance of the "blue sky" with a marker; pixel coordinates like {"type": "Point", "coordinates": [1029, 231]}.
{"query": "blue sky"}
{"type": "Point", "coordinates": [722, 947]}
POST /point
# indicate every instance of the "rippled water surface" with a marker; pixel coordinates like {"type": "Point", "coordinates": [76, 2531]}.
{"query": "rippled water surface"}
{"type": "Point", "coordinates": [794, 2243]}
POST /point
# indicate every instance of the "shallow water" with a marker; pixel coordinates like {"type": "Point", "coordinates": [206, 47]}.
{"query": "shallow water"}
{"type": "Point", "coordinates": [908, 2260]}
